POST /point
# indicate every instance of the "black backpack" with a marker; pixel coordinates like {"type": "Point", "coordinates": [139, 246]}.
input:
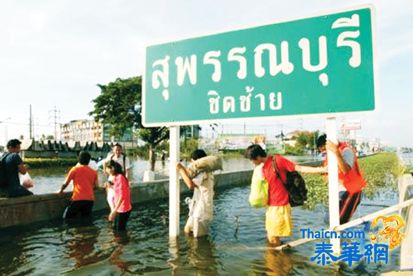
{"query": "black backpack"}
{"type": "Point", "coordinates": [295, 186]}
{"type": "Point", "coordinates": [3, 173]}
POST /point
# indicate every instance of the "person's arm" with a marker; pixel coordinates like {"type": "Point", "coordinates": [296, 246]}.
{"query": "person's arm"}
{"type": "Point", "coordinates": [308, 169]}
{"type": "Point", "coordinates": [184, 174]}
{"type": "Point", "coordinates": [127, 174]}
{"type": "Point", "coordinates": [342, 165]}
{"type": "Point", "coordinates": [127, 167]}
{"type": "Point", "coordinates": [20, 165]}
{"type": "Point", "coordinates": [66, 183]}
{"type": "Point", "coordinates": [22, 168]}
{"type": "Point", "coordinates": [104, 165]}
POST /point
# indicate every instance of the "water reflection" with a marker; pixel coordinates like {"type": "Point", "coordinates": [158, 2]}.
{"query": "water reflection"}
{"type": "Point", "coordinates": [174, 259]}
{"type": "Point", "coordinates": [81, 241]}
{"type": "Point", "coordinates": [196, 255]}
{"type": "Point", "coordinates": [277, 262]}
{"type": "Point", "coordinates": [201, 255]}
{"type": "Point", "coordinates": [120, 239]}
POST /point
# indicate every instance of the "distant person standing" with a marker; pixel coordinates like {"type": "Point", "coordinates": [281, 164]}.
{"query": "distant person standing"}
{"type": "Point", "coordinates": [118, 156]}
{"type": "Point", "coordinates": [85, 180]}
{"type": "Point", "coordinates": [11, 165]}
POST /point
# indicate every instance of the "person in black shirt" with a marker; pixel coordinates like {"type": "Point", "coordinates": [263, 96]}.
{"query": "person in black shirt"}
{"type": "Point", "coordinates": [11, 166]}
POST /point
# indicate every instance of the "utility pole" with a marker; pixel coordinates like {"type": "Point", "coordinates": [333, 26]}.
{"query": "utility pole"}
{"type": "Point", "coordinates": [31, 123]}
{"type": "Point", "coordinates": [55, 118]}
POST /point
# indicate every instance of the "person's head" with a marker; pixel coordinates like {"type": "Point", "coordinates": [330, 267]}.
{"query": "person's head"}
{"type": "Point", "coordinates": [321, 142]}
{"type": "Point", "coordinates": [14, 145]}
{"type": "Point", "coordinates": [117, 149]}
{"type": "Point", "coordinates": [197, 154]}
{"type": "Point", "coordinates": [84, 158]}
{"type": "Point", "coordinates": [113, 168]}
{"type": "Point", "coordinates": [256, 154]}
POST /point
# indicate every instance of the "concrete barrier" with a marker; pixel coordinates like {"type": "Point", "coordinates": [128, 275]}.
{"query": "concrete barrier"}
{"type": "Point", "coordinates": [37, 208]}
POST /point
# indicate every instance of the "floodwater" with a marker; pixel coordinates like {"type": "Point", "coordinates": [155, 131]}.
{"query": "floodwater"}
{"type": "Point", "coordinates": [235, 246]}
{"type": "Point", "coordinates": [50, 180]}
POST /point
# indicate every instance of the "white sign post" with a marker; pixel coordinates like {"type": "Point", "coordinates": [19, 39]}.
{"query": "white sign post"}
{"type": "Point", "coordinates": [333, 199]}
{"type": "Point", "coordinates": [174, 189]}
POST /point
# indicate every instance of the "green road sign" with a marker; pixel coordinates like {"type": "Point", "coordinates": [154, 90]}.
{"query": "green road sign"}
{"type": "Point", "coordinates": [316, 65]}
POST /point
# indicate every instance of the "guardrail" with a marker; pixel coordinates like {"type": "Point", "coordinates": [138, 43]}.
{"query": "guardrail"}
{"type": "Point", "coordinates": [405, 194]}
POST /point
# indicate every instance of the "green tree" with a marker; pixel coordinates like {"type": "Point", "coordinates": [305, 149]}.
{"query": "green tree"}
{"type": "Point", "coordinates": [153, 136]}
{"type": "Point", "coordinates": [119, 105]}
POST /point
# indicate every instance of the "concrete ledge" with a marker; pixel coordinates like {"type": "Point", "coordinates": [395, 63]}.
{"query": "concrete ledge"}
{"type": "Point", "coordinates": [37, 208]}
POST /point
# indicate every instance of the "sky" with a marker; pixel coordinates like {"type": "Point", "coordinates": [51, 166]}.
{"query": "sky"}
{"type": "Point", "coordinates": [53, 53]}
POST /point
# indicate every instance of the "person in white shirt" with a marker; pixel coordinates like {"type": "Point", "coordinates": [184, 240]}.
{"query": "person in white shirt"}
{"type": "Point", "coordinates": [119, 157]}
{"type": "Point", "coordinates": [201, 205]}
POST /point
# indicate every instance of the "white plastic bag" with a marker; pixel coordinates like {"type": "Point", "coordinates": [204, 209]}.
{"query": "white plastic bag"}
{"type": "Point", "coordinates": [26, 181]}
{"type": "Point", "coordinates": [110, 197]}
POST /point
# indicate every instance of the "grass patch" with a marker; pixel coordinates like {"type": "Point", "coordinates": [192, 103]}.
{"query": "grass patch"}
{"type": "Point", "coordinates": [38, 163]}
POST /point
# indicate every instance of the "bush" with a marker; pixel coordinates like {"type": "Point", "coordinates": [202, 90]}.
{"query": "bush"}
{"type": "Point", "coordinates": [36, 163]}
{"type": "Point", "coordinates": [297, 150]}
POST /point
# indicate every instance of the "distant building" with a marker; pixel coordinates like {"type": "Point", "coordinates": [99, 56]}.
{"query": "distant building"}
{"type": "Point", "coordinates": [291, 138]}
{"type": "Point", "coordinates": [82, 130]}
{"type": "Point", "coordinates": [90, 131]}
{"type": "Point", "coordinates": [228, 142]}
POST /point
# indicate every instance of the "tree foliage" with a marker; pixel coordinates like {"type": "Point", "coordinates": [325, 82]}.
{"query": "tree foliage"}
{"type": "Point", "coordinates": [118, 105]}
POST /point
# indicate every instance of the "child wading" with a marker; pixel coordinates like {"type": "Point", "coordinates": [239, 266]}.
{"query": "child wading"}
{"type": "Point", "coordinates": [122, 196]}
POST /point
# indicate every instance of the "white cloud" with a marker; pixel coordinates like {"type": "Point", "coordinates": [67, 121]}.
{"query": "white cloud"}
{"type": "Point", "coordinates": [55, 52]}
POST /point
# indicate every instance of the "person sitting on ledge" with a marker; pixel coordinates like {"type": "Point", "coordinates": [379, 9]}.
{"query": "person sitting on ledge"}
{"type": "Point", "coordinates": [11, 165]}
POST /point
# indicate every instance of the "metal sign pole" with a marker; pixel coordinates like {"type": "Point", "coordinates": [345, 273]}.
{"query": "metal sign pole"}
{"type": "Point", "coordinates": [333, 199]}
{"type": "Point", "coordinates": [173, 182]}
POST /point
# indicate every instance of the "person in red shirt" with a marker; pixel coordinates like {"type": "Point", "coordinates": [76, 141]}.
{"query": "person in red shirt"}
{"type": "Point", "coordinates": [122, 196]}
{"type": "Point", "coordinates": [85, 180]}
{"type": "Point", "coordinates": [351, 181]}
{"type": "Point", "coordinates": [278, 221]}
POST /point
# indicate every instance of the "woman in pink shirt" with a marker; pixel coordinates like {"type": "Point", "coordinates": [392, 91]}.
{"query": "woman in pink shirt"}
{"type": "Point", "coordinates": [122, 199]}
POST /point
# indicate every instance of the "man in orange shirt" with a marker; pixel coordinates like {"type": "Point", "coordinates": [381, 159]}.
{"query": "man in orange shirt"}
{"type": "Point", "coordinates": [351, 181]}
{"type": "Point", "coordinates": [85, 180]}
